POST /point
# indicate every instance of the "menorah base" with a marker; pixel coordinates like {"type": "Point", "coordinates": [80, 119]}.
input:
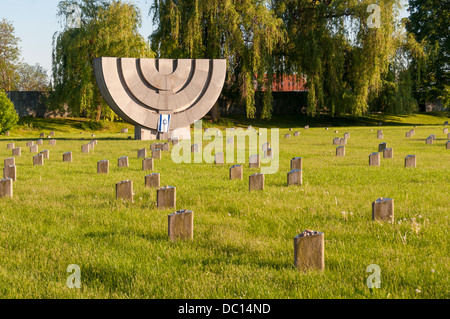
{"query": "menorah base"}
{"type": "Point", "coordinates": [145, 134]}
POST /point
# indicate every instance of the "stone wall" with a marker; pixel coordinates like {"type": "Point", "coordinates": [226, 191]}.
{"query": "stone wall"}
{"type": "Point", "coordinates": [32, 103]}
{"type": "Point", "coordinates": [283, 103]}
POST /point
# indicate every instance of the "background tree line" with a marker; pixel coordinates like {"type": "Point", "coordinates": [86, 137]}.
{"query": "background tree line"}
{"type": "Point", "coordinates": [351, 67]}
{"type": "Point", "coordinates": [16, 75]}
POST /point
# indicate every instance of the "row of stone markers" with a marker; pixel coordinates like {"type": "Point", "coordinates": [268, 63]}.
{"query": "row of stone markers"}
{"type": "Point", "coordinates": [309, 248]}
{"type": "Point", "coordinates": [10, 168]}
{"type": "Point", "coordinates": [180, 223]}
{"type": "Point", "coordinates": [297, 133]}
{"type": "Point", "coordinates": [257, 180]}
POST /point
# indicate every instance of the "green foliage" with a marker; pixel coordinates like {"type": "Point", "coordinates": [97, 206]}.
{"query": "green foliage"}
{"type": "Point", "coordinates": [334, 46]}
{"type": "Point", "coordinates": [9, 55]}
{"type": "Point", "coordinates": [8, 114]}
{"type": "Point", "coordinates": [105, 30]}
{"type": "Point", "coordinates": [428, 23]}
{"type": "Point", "coordinates": [32, 78]}
{"type": "Point", "coordinates": [243, 32]}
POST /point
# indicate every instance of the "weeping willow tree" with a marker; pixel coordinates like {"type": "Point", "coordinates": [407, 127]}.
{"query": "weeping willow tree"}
{"type": "Point", "coordinates": [102, 28]}
{"type": "Point", "coordinates": [340, 48]}
{"type": "Point", "coordinates": [243, 32]}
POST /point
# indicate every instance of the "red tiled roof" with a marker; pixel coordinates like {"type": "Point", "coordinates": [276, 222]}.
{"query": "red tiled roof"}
{"type": "Point", "coordinates": [288, 83]}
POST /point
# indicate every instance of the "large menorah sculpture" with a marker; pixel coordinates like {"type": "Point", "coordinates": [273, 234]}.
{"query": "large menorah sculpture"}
{"type": "Point", "coordinates": [146, 92]}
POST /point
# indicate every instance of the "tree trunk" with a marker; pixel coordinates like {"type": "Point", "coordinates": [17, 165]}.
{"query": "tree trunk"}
{"type": "Point", "coordinates": [215, 112]}
{"type": "Point", "coordinates": [99, 113]}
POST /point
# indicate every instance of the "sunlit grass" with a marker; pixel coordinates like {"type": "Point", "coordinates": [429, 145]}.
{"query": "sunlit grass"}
{"type": "Point", "coordinates": [64, 213]}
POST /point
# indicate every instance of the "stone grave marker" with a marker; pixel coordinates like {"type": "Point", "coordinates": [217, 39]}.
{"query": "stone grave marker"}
{"type": "Point", "coordinates": [67, 157]}
{"type": "Point", "coordinates": [219, 159]}
{"type": "Point", "coordinates": [153, 180]}
{"type": "Point", "coordinates": [254, 161]}
{"type": "Point", "coordinates": [10, 146]}
{"type": "Point", "coordinates": [147, 164]}
{"type": "Point", "coordinates": [236, 172]}
{"type": "Point", "coordinates": [123, 162]}
{"type": "Point", "coordinates": [340, 151]}
{"type": "Point", "coordinates": [85, 148]}
{"type": "Point", "coordinates": [38, 160]}
{"type": "Point", "coordinates": [103, 167]}
{"type": "Point", "coordinates": [343, 141]}
{"type": "Point", "coordinates": [268, 153]}
{"type": "Point", "coordinates": [309, 251]}
{"type": "Point", "coordinates": [157, 154]}
{"type": "Point", "coordinates": [195, 148]}
{"type": "Point", "coordinates": [256, 182]}
{"type": "Point", "coordinates": [34, 149]}
{"type": "Point", "coordinates": [297, 134]}
{"type": "Point", "coordinates": [39, 142]}
{"type": "Point", "coordinates": [383, 209]}
{"type": "Point", "coordinates": [287, 136]}
{"type": "Point", "coordinates": [52, 142]}
{"type": "Point", "coordinates": [336, 141]}
{"type": "Point", "coordinates": [124, 190]}
{"type": "Point", "coordinates": [429, 140]}
{"type": "Point", "coordinates": [142, 153]}
{"type": "Point", "coordinates": [9, 161]}
{"type": "Point", "coordinates": [388, 153]}
{"type": "Point", "coordinates": [265, 146]}
{"type": "Point", "coordinates": [294, 177]}
{"type": "Point", "coordinates": [17, 151]}
{"type": "Point", "coordinates": [181, 225]}
{"type": "Point", "coordinates": [410, 161]}
{"type": "Point", "coordinates": [46, 154]}
{"type": "Point", "coordinates": [166, 197]}
{"type": "Point", "coordinates": [6, 187]}
{"type": "Point", "coordinates": [297, 163]}
{"type": "Point", "coordinates": [10, 171]}
{"type": "Point", "coordinates": [382, 146]}
{"type": "Point", "coordinates": [374, 159]}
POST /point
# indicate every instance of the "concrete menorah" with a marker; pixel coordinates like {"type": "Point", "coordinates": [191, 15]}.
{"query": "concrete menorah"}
{"type": "Point", "coordinates": [160, 97]}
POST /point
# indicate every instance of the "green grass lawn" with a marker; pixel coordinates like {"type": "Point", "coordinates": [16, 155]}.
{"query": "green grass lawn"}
{"type": "Point", "coordinates": [65, 213]}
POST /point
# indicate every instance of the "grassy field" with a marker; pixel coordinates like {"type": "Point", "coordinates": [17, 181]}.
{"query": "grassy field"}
{"type": "Point", "coordinates": [64, 213]}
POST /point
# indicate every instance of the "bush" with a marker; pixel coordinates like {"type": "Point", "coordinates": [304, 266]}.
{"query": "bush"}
{"type": "Point", "coordinates": [8, 114]}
